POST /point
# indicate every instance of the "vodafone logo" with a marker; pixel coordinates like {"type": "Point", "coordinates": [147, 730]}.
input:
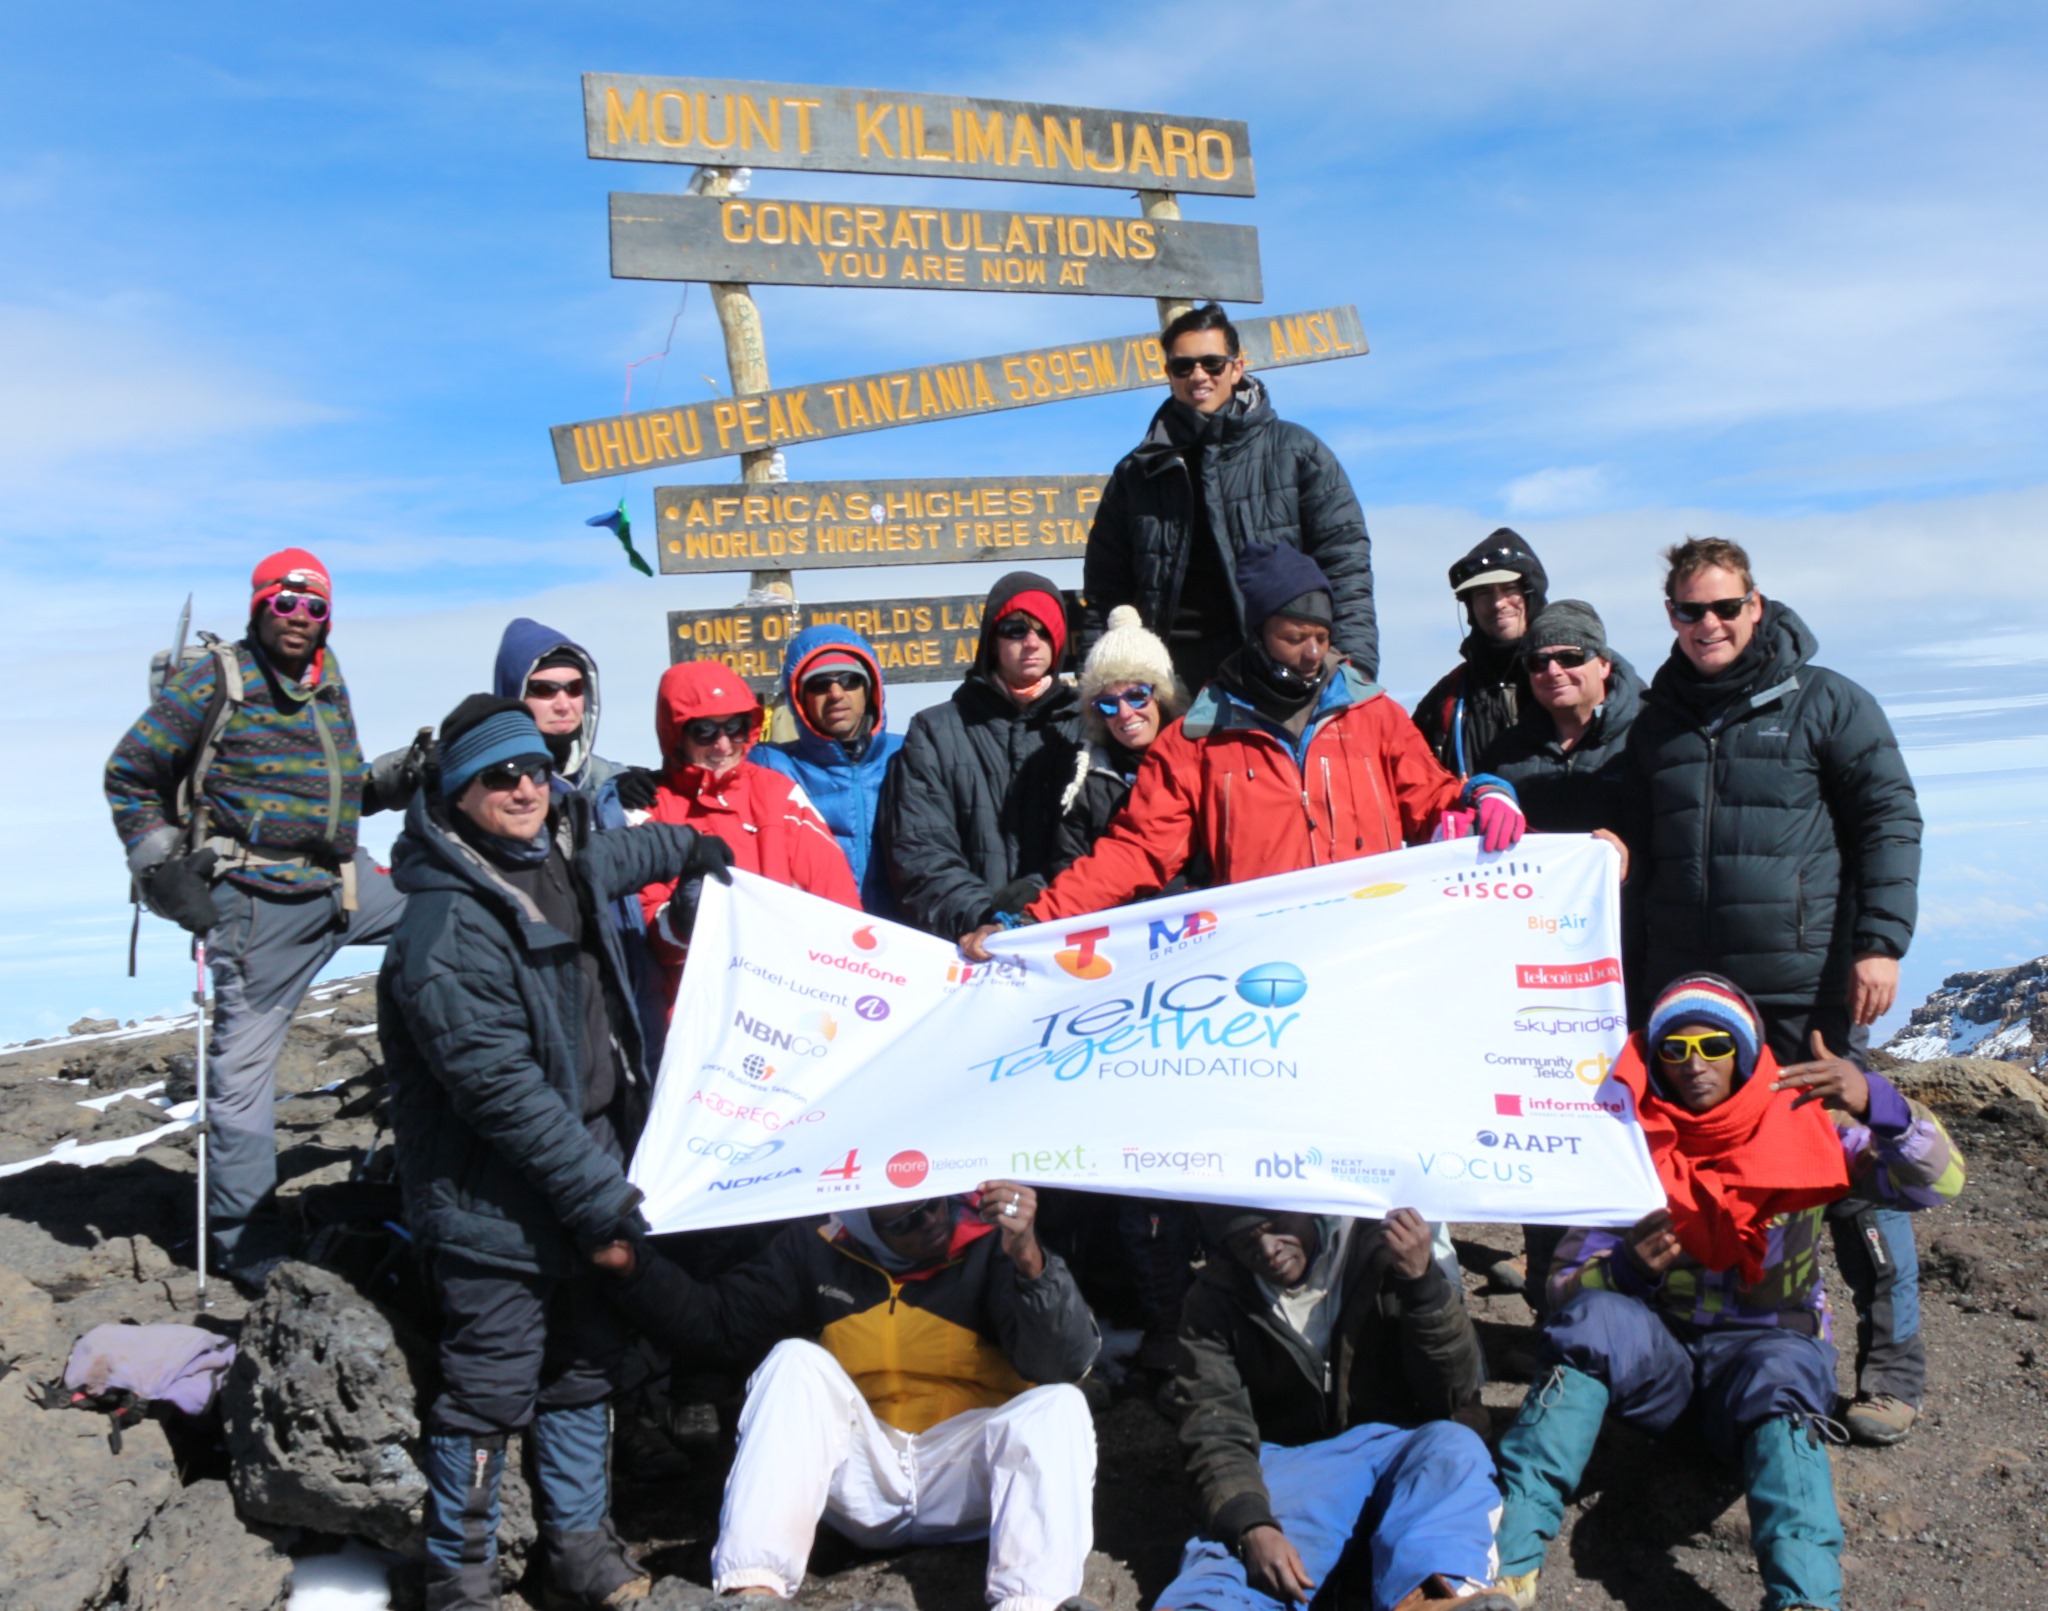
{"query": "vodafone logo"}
{"type": "Point", "coordinates": [867, 941]}
{"type": "Point", "coordinates": [1081, 959]}
{"type": "Point", "coordinates": [1569, 976]}
{"type": "Point", "coordinates": [908, 1169]}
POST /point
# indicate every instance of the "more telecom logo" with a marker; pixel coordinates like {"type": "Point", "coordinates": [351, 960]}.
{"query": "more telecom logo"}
{"type": "Point", "coordinates": [1081, 959]}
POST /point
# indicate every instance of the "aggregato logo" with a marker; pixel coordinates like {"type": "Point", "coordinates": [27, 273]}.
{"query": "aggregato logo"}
{"type": "Point", "coordinates": [745, 1112]}
{"type": "Point", "coordinates": [1170, 935]}
{"type": "Point", "coordinates": [907, 1168]}
{"type": "Point", "coordinates": [1503, 881]}
{"type": "Point", "coordinates": [1510, 1141]}
{"type": "Point", "coordinates": [1082, 959]}
{"type": "Point", "coordinates": [1567, 975]}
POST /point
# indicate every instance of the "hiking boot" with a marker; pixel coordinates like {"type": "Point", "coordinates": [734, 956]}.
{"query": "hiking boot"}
{"type": "Point", "coordinates": [1519, 1589]}
{"type": "Point", "coordinates": [1160, 1350]}
{"type": "Point", "coordinates": [1437, 1594]}
{"type": "Point", "coordinates": [582, 1570]}
{"type": "Point", "coordinates": [1509, 1275]}
{"type": "Point", "coordinates": [1879, 1420]}
{"type": "Point", "coordinates": [472, 1586]}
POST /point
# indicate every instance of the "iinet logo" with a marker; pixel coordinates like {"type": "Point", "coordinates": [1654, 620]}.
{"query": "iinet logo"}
{"type": "Point", "coordinates": [1568, 976]}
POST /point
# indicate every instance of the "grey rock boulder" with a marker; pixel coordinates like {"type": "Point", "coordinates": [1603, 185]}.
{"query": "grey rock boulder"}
{"type": "Point", "coordinates": [198, 1555]}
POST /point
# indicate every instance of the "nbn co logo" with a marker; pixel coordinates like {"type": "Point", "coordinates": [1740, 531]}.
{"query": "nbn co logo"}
{"type": "Point", "coordinates": [1294, 1168]}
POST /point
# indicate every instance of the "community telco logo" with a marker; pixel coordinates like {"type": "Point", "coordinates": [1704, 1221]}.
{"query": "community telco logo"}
{"type": "Point", "coordinates": [1513, 1105]}
{"type": "Point", "coordinates": [1528, 1141]}
{"type": "Point", "coordinates": [812, 1037]}
{"type": "Point", "coordinates": [866, 943]}
{"type": "Point", "coordinates": [1572, 930]}
{"type": "Point", "coordinates": [731, 1152]}
{"type": "Point", "coordinates": [747, 1112]}
{"type": "Point", "coordinates": [1501, 881]}
{"type": "Point", "coordinates": [1371, 892]}
{"type": "Point", "coordinates": [1586, 1070]}
{"type": "Point", "coordinates": [1080, 956]}
{"type": "Point", "coordinates": [1146, 1161]}
{"type": "Point", "coordinates": [1560, 1018]}
{"type": "Point", "coordinates": [1169, 936]}
{"type": "Point", "coordinates": [1276, 1166]}
{"type": "Point", "coordinates": [998, 970]}
{"type": "Point", "coordinates": [1191, 1018]}
{"type": "Point", "coordinates": [842, 1176]}
{"type": "Point", "coordinates": [1567, 975]}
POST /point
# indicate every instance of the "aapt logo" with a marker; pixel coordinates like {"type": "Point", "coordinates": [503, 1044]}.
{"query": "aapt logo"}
{"type": "Point", "coordinates": [1171, 934]}
{"type": "Point", "coordinates": [1081, 959]}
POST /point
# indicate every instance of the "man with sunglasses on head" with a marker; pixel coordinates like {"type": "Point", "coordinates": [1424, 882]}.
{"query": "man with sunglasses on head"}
{"type": "Point", "coordinates": [519, 1083]}
{"type": "Point", "coordinates": [970, 815]}
{"type": "Point", "coordinates": [1714, 1303]}
{"type": "Point", "coordinates": [259, 857]}
{"type": "Point", "coordinates": [1503, 587]}
{"type": "Point", "coordinates": [832, 684]}
{"type": "Point", "coordinates": [916, 1390]}
{"type": "Point", "coordinates": [1217, 472]}
{"type": "Point", "coordinates": [1775, 838]}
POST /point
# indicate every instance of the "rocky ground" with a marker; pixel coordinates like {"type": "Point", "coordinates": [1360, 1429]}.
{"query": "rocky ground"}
{"type": "Point", "coordinates": [320, 1412]}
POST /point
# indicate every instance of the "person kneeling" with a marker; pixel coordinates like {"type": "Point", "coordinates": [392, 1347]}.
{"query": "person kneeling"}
{"type": "Point", "coordinates": [1319, 1360]}
{"type": "Point", "coordinates": [912, 1416]}
{"type": "Point", "coordinates": [1717, 1299]}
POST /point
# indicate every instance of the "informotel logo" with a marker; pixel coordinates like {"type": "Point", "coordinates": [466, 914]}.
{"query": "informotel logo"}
{"type": "Point", "coordinates": [1568, 975]}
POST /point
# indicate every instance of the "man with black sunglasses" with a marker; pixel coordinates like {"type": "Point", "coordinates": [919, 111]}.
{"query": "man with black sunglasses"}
{"type": "Point", "coordinates": [1218, 472]}
{"type": "Point", "coordinates": [1503, 587]}
{"type": "Point", "coordinates": [916, 1389]}
{"type": "Point", "coordinates": [237, 794]}
{"type": "Point", "coordinates": [1775, 838]}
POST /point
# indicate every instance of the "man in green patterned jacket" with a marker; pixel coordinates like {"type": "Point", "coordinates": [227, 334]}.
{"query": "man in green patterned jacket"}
{"type": "Point", "coordinates": [236, 795]}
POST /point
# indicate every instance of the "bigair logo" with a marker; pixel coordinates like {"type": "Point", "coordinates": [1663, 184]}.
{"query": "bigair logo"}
{"type": "Point", "coordinates": [1081, 959]}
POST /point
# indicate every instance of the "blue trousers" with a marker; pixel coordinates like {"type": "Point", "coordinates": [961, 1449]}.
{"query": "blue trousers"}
{"type": "Point", "coordinates": [1740, 1375]}
{"type": "Point", "coordinates": [1424, 1499]}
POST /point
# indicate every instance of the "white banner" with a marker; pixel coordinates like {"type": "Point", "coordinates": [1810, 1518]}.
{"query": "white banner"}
{"type": "Point", "coordinates": [1429, 1029]}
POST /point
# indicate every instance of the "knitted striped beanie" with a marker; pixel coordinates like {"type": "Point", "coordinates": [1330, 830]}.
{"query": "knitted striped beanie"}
{"type": "Point", "coordinates": [1707, 998]}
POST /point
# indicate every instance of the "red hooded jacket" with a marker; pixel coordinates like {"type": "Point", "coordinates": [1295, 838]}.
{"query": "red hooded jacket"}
{"type": "Point", "coordinates": [766, 818]}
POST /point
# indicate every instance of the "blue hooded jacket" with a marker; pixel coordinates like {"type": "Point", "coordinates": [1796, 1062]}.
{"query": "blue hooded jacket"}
{"type": "Point", "coordinates": [846, 788]}
{"type": "Point", "coordinates": [525, 644]}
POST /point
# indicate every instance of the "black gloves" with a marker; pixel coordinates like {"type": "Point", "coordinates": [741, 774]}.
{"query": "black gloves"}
{"type": "Point", "coordinates": [181, 889]}
{"type": "Point", "coordinates": [635, 787]}
{"type": "Point", "coordinates": [710, 857]}
{"type": "Point", "coordinates": [396, 774]}
{"type": "Point", "coordinates": [1014, 896]}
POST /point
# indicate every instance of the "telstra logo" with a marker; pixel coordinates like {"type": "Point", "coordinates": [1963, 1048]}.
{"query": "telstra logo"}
{"type": "Point", "coordinates": [1081, 959]}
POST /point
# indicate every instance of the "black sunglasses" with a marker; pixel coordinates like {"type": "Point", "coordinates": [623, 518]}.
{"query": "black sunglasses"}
{"type": "Point", "coordinates": [910, 1218]}
{"type": "Point", "coordinates": [1137, 696]}
{"type": "Point", "coordinates": [708, 729]}
{"type": "Point", "coordinates": [834, 679]}
{"type": "Point", "coordinates": [1015, 627]}
{"type": "Point", "coordinates": [1694, 614]}
{"type": "Point", "coordinates": [1213, 363]}
{"type": "Point", "coordinates": [535, 689]}
{"type": "Point", "coordinates": [506, 774]}
{"type": "Point", "coordinates": [1570, 659]}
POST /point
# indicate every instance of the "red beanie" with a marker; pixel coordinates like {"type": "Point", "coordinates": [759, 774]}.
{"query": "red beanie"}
{"type": "Point", "coordinates": [292, 568]}
{"type": "Point", "coordinates": [1047, 610]}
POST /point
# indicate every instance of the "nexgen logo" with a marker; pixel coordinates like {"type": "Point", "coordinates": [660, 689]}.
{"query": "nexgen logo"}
{"type": "Point", "coordinates": [1081, 959]}
{"type": "Point", "coordinates": [1568, 976]}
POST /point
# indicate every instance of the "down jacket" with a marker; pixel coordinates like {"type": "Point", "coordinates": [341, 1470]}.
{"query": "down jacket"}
{"type": "Point", "coordinates": [1402, 1352]}
{"type": "Point", "coordinates": [1264, 480]}
{"type": "Point", "coordinates": [481, 1007]}
{"type": "Point", "coordinates": [973, 800]}
{"type": "Point", "coordinates": [845, 787]}
{"type": "Point", "coordinates": [1771, 824]}
{"type": "Point", "coordinates": [968, 1333]}
{"type": "Point", "coordinates": [1579, 789]}
{"type": "Point", "coordinates": [1222, 782]}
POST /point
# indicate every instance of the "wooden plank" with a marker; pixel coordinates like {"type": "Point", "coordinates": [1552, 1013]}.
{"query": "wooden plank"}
{"type": "Point", "coordinates": [823, 525]}
{"type": "Point", "coordinates": [915, 639]}
{"type": "Point", "coordinates": [622, 443]}
{"type": "Point", "coordinates": [764, 241]}
{"type": "Point", "coordinates": [716, 122]}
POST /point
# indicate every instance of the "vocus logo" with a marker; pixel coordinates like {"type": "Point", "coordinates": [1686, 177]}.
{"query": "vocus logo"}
{"type": "Point", "coordinates": [1494, 1171]}
{"type": "Point", "coordinates": [1276, 1167]}
{"type": "Point", "coordinates": [1081, 958]}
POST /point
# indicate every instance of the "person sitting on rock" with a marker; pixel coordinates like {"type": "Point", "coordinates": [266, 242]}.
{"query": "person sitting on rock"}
{"type": "Point", "coordinates": [1321, 1361]}
{"type": "Point", "coordinates": [897, 1399]}
{"type": "Point", "coordinates": [1716, 1299]}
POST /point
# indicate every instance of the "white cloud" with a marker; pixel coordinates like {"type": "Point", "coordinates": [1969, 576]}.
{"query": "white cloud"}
{"type": "Point", "coordinates": [1556, 491]}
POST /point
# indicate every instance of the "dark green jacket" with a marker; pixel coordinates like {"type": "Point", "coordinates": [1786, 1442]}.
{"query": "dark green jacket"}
{"type": "Point", "coordinates": [481, 1009]}
{"type": "Point", "coordinates": [1403, 1352]}
{"type": "Point", "coordinates": [1772, 827]}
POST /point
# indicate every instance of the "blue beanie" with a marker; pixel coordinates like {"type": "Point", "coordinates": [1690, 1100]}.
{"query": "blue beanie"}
{"type": "Point", "coordinates": [481, 732]}
{"type": "Point", "coordinates": [1707, 998]}
{"type": "Point", "coordinates": [1278, 580]}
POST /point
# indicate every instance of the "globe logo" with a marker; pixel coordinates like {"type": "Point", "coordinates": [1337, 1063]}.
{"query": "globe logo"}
{"type": "Point", "coordinates": [756, 1067]}
{"type": "Point", "coordinates": [1272, 984]}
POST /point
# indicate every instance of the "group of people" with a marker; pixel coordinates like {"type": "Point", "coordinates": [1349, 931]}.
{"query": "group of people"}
{"type": "Point", "coordinates": [915, 1371]}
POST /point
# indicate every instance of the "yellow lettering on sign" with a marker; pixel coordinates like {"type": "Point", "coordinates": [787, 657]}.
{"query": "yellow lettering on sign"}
{"type": "Point", "coordinates": [855, 412]}
{"type": "Point", "coordinates": [622, 122]}
{"type": "Point", "coordinates": [978, 139]}
{"type": "Point", "coordinates": [614, 444]}
{"type": "Point", "coordinates": [1018, 239]}
{"type": "Point", "coordinates": [838, 226]}
{"type": "Point", "coordinates": [1144, 241]}
{"type": "Point", "coordinates": [726, 418]}
{"type": "Point", "coordinates": [983, 397]}
{"type": "Point", "coordinates": [1115, 164]}
{"type": "Point", "coordinates": [704, 123]}
{"type": "Point", "coordinates": [772, 224]}
{"type": "Point", "coordinates": [918, 148]}
{"type": "Point", "coordinates": [905, 232]}
{"type": "Point", "coordinates": [952, 387]}
{"type": "Point", "coordinates": [803, 224]}
{"type": "Point", "coordinates": [1024, 139]}
{"type": "Point", "coordinates": [867, 127]}
{"type": "Point", "coordinates": [769, 129]}
{"type": "Point", "coordinates": [588, 459]}
{"type": "Point", "coordinates": [804, 109]}
{"type": "Point", "coordinates": [1070, 273]}
{"type": "Point", "coordinates": [689, 431]}
{"type": "Point", "coordinates": [1213, 146]}
{"type": "Point", "coordinates": [1144, 153]}
{"type": "Point", "coordinates": [1065, 142]}
{"type": "Point", "coordinates": [799, 421]}
{"type": "Point", "coordinates": [736, 222]}
{"type": "Point", "coordinates": [838, 396]}
{"type": "Point", "coordinates": [927, 400]}
{"type": "Point", "coordinates": [1178, 145]}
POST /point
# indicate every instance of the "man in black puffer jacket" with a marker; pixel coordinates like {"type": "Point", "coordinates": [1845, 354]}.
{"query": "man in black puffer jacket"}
{"type": "Point", "coordinates": [1565, 756]}
{"type": "Point", "coordinates": [1218, 472]}
{"type": "Point", "coordinates": [971, 809]}
{"type": "Point", "coordinates": [1774, 838]}
{"type": "Point", "coordinates": [1502, 585]}
{"type": "Point", "coordinates": [518, 1084]}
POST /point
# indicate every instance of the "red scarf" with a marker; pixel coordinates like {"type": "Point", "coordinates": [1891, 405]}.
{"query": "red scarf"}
{"type": "Point", "coordinates": [1730, 1172]}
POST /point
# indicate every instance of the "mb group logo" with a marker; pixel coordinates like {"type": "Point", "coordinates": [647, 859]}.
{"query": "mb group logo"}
{"type": "Point", "coordinates": [1171, 935]}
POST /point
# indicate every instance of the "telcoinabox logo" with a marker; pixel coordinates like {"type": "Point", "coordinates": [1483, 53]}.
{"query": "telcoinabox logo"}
{"type": "Point", "coordinates": [1567, 975]}
{"type": "Point", "coordinates": [1082, 959]}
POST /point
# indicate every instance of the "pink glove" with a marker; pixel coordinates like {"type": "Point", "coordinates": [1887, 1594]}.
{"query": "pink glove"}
{"type": "Point", "coordinates": [1453, 824]}
{"type": "Point", "coordinates": [1501, 822]}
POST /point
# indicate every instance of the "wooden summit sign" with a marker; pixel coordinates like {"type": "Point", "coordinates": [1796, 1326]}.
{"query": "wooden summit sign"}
{"type": "Point", "coordinates": [723, 123]}
{"type": "Point", "coordinates": [623, 443]}
{"type": "Point", "coordinates": [915, 640]}
{"type": "Point", "coordinates": [818, 525]}
{"type": "Point", "coordinates": [767, 242]}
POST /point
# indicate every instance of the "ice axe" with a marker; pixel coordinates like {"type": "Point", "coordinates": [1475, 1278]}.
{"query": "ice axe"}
{"type": "Point", "coordinates": [200, 1118]}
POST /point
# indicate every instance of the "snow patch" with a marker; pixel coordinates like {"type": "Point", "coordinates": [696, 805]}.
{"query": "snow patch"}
{"type": "Point", "coordinates": [352, 1578]}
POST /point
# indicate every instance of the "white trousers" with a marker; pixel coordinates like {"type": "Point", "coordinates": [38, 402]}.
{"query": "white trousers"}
{"type": "Point", "coordinates": [1021, 1475]}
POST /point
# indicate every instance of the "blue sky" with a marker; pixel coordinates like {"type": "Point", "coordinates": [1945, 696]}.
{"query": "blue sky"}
{"type": "Point", "coordinates": [1629, 272]}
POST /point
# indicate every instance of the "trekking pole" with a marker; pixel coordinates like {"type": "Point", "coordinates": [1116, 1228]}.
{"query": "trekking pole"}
{"type": "Point", "coordinates": [199, 1079]}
